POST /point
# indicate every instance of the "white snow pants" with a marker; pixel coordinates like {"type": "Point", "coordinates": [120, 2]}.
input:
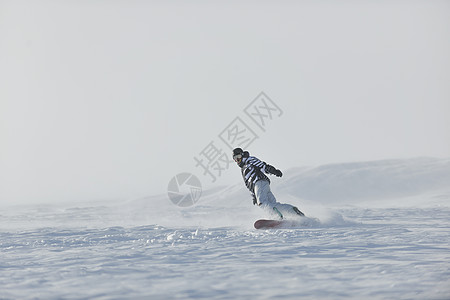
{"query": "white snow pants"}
{"type": "Point", "coordinates": [267, 200]}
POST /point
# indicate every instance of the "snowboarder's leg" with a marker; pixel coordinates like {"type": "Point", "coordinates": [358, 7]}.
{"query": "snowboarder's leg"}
{"type": "Point", "coordinates": [287, 209]}
{"type": "Point", "coordinates": [281, 207]}
{"type": "Point", "coordinates": [265, 199]}
{"type": "Point", "coordinates": [262, 190]}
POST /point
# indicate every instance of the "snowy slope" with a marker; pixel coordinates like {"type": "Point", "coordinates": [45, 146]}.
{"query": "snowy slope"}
{"type": "Point", "coordinates": [362, 181]}
{"type": "Point", "coordinates": [383, 234]}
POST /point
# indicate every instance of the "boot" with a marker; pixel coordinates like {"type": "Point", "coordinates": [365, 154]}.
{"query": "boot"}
{"type": "Point", "coordinates": [298, 212]}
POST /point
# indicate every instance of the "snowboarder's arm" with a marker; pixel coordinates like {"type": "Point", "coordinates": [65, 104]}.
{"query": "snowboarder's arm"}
{"type": "Point", "coordinates": [265, 167]}
{"type": "Point", "coordinates": [272, 170]}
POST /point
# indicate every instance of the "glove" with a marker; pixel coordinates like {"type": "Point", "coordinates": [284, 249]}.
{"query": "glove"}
{"type": "Point", "coordinates": [278, 173]}
{"type": "Point", "coordinates": [255, 201]}
{"type": "Point", "coordinates": [270, 169]}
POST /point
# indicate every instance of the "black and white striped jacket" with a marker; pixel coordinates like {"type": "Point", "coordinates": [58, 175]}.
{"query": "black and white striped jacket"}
{"type": "Point", "coordinates": [253, 170]}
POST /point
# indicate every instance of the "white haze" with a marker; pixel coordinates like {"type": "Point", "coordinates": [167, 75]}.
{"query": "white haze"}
{"type": "Point", "coordinates": [108, 100]}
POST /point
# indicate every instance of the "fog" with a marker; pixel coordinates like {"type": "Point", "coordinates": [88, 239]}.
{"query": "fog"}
{"type": "Point", "coordinates": [108, 100]}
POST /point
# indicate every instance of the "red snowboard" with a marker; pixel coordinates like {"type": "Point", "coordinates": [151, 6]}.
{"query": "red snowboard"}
{"type": "Point", "coordinates": [267, 224]}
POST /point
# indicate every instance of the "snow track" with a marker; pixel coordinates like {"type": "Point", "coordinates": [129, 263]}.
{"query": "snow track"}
{"type": "Point", "coordinates": [390, 254]}
{"type": "Point", "coordinates": [392, 249]}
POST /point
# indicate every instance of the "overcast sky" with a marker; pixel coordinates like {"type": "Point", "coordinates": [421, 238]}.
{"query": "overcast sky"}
{"type": "Point", "coordinates": [110, 99]}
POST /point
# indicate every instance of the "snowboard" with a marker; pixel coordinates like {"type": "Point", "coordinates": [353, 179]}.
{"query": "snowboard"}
{"type": "Point", "coordinates": [267, 224]}
{"type": "Point", "coordinates": [287, 224]}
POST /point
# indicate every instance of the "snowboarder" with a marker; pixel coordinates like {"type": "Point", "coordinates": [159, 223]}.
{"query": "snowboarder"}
{"type": "Point", "coordinates": [258, 183]}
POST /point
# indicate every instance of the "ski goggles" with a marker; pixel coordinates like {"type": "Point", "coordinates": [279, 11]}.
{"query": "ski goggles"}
{"type": "Point", "coordinates": [237, 157]}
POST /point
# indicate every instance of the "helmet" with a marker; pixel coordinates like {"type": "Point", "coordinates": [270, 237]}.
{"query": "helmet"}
{"type": "Point", "coordinates": [237, 151]}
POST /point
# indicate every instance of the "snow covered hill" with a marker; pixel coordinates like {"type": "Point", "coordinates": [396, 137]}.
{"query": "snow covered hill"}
{"type": "Point", "coordinates": [414, 181]}
{"type": "Point", "coordinates": [316, 190]}
{"type": "Point", "coordinates": [382, 234]}
{"type": "Point", "coordinates": [363, 181]}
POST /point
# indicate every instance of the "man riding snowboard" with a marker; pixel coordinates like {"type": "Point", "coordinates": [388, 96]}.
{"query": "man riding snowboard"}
{"type": "Point", "coordinates": [258, 183]}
